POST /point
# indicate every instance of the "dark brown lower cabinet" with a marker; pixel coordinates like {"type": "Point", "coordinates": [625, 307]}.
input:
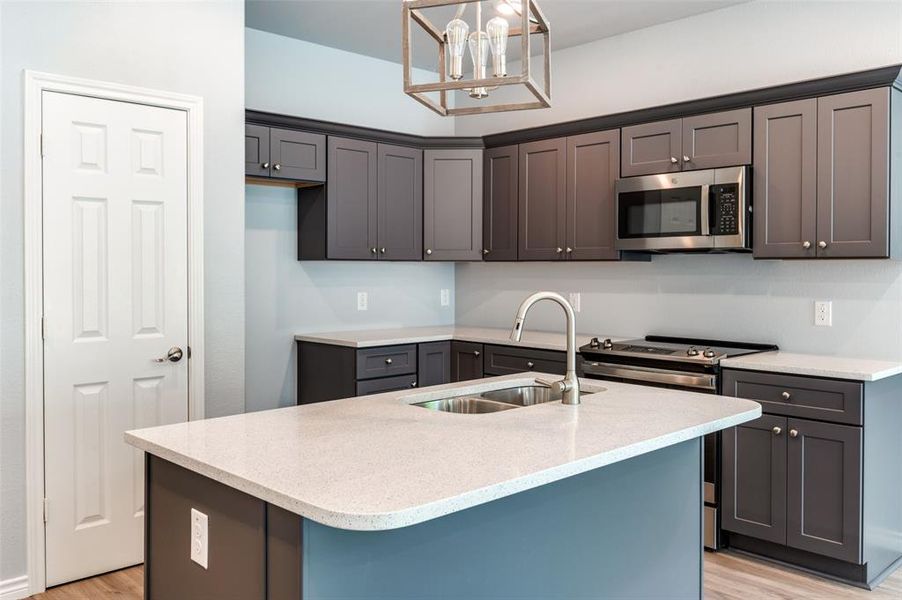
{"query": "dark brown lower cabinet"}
{"type": "Point", "coordinates": [466, 361]}
{"type": "Point", "coordinates": [754, 479]}
{"type": "Point", "coordinates": [433, 363]}
{"type": "Point", "coordinates": [823, 494]}
{"type": "Point", "coordinates": [506, 360]}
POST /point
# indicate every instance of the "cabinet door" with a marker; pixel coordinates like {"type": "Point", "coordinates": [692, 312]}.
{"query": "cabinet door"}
{"type": "Point", "coordinates": [452, 205]}
{"type": "Point", "coordinates": [466, 361]}
{"type": "Point", "coordinates": [824, 489]}
{"type": "Point", "coordinates": [542, 192]}
{"type": "Point", "coordinates": [499, 220]}
{"type": "Point", "coordinates": [593, 165]}
{"type": "Point", "coordinates": [651, 148]}
{"type": "Point", "coordinates": [785, 174]}
{"type": "Point", "coordinates": [400, 203]}
{"type": "Point", "coordinates": [434, 363]}
{"type": "Point", "coordinates": [351, 199]}
{"type": "Point", "coordinates": [256, 151]}
{"type": "Point", "coordinates": [754, 479]}
{"type": "Point", "coordinates": [714, 140]}
{"type": "Point", "coordinates": [853, 175]}
{"type": "Point", "coordinates": [297, 155]}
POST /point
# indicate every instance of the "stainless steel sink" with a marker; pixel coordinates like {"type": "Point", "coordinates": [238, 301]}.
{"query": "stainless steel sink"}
{"type": "Point", "coordinates": [525, 395]}
{"type": "Point", "coordinates": [469, 405]}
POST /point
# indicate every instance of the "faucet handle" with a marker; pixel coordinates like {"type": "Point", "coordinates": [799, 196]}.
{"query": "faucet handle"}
{"type": "Point", "coordinates": [560, 386]}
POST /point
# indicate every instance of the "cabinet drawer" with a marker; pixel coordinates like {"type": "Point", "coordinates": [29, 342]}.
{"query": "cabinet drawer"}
{"type": "Point", "coordinates": [795, 396]}
{"type": "Point", "coordinates": [386, 384]}
{"type": "Point", "coordinates": [386, 361]}
{"type": "Point", "coordinates": [503, 360]}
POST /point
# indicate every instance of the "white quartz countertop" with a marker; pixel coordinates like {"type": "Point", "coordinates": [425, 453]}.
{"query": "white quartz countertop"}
{"type": "Point", "coordinates": [368, 338]}
{"type": "Point", "coordinates": [376, 463]}
{"type": "Point", "coordinates": [837, 367]}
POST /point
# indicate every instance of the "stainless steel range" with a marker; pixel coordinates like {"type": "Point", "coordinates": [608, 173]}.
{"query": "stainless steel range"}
{"type": "Point", "coordinates": [678, 363]}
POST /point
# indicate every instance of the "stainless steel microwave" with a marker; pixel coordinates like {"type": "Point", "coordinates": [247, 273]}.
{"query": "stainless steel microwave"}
{"type": "Point", "coordinates": [691, 211]}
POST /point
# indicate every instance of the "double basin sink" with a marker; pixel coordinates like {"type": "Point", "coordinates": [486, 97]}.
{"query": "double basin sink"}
{"type": "Point", "coordinates": [493, 400]}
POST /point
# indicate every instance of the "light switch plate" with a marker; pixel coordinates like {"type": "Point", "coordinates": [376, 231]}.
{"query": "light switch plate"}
{"type": "Point", "coordinates": [199, 547]}
{"type": "Point", "coordinates": [445, 297]}
{"type": "Point", "coordinates": [575, 300]}
{"type": "Point", "coordinates": [362, 300]}
{"type": "Point", "coordinates": [823, 313]}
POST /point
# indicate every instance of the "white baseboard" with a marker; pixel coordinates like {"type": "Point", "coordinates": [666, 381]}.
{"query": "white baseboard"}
{"type": "Point", "coordinates": [15, 588]}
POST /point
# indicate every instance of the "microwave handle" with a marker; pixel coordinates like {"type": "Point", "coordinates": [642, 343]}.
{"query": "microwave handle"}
{"type": "Point", "coordinates": [706, 201]}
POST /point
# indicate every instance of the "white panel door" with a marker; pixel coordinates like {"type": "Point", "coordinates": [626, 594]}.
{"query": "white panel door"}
{"type": "Point", "coordinates": [115, 299]}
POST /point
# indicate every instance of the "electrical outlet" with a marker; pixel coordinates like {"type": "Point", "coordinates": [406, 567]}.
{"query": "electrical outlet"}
{"type": "Point", "coordinates": [199, 537]}
{"type": "Point", "coordinates": [362, 300]}
{"type": "Point", "coordinates": [574, 300]}
{"type": "Point", "coordinates": [823, 313]}
{"type": "Point", "coordinates": [445, 297]}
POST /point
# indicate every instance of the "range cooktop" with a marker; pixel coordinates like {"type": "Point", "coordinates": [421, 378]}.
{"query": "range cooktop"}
{"type": "Point", "coordinates": [679, 349]}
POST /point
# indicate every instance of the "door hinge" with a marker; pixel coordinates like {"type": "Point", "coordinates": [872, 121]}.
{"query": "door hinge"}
{"type": "Point", "coordinates": [43, 328]}
{"type": "Point", "coordinates": [46, 504]}
{"type": "Point", "coordinates": [189, 351]}
{"type": "Point", "coordinates": [42, 145]}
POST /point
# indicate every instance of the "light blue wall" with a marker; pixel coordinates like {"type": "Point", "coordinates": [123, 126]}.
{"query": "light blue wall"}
{"type": "Point", "coordinates": [285, 296]}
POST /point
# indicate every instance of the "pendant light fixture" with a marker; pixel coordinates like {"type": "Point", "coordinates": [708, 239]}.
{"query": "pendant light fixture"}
{"type": "Point", "coordinates": [482, 41]}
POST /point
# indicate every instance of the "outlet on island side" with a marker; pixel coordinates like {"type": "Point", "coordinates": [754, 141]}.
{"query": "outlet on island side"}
{"type": "Point", "coordinates": [823, 313]}
{"type": "Point", "coordinates": [362, 300]}
{"type": "Point", "coordinates": [199, 548]}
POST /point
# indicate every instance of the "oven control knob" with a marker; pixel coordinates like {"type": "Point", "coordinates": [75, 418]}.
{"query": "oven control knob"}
{"type": "Point", "coordinates": [594, 343]}
{"type": "Point", "coordinates": [607, 344]}
{"type": "Point", "coordinates": [709, 353]}
{"type": "Point", "coordinates": [692, 351]}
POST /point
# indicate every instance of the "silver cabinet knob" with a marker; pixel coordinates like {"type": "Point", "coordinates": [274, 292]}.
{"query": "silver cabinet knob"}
{"type": "Point", "coordinates": [382, 250]}
{"type": "Point", "coordinates": [475, 352]}
{"type": "Point", "coordinates": [277, 167]}
{"type": "Point", "coordinates": [822, 244]}
{"type": "Point", "coordinates": [485, 251]}
{"type": "Point", "coordinates": [674, 160]}
{"type": "Point", "coordinates": [530, 365]}
{"type": "Point", "coordinates": [569, 250]}
{"type": "Point", "coordinates": [793, 433]}
{"type": "Point", "coordinates": [786, 395]}
{"type": "Point", "coordinates": [174, 355]}
{"type": "Point", "coordinates": [428, 251]}
{"type": "Point", "coordinates": [265, 165]}
{"type": "Point", "coordinates": [686, 158]}
{"type": "Point", "coordinates": [806, 244]}
{"type": "Point", "coordinates": [388, 361]}
{"type": "Point", "coordinates": [373, 250]}
{"type": "Point", "coordinates": [413, 384]}
{"type": "Point", "coordinates": [558, 250]}
{"type": "Point", "coordinates": [777, 430]}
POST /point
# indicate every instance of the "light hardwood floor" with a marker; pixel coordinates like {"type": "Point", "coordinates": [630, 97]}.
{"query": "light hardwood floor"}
{"type": "Point", "coordinates": [727, 577]}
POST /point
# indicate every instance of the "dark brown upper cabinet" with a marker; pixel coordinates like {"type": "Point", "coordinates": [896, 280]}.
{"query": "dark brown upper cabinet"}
{"type": "Point", "coordinates": [853, 174]}
{"type": "Point", "coordinates": [351, 199]}
{"type": "Point", "coordinates": [400, 203]}
{"type": "Point", "coordinates": [707, 141]}
{"type": "Point", "coordinates": [452, 204]}
{"type": "Point", "coordinates": [284, 154]}
{"type": "Point", "coordinates": [256, 151]}
{"type": "Point", "coordinates": [785, 180]}
{"type": "Point", "coordinates": [715, 140]}
{"type": "Point", "coordinates": [542, 200]}
{"type": "Point", "coordinates": [754, 479]}
{"type": "Point", "coordinates": [824, 489]}
{"type": "Point", "coordinates": [297, 155]}
{"type": "Point", "coordinates": [651, 148]}
{"type": "Point", "coordinates": [593, 166]}
{"type": "Point", "coordinates": [822, 177]}
{"type": "Point", "coordinates": [499, 201]}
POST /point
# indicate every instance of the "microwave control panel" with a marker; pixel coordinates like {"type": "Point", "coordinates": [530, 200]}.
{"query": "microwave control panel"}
{"type": "Point", "coordinates": [725, 215]}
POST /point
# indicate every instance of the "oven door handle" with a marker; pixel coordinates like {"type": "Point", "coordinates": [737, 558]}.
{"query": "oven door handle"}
{"type": "Point", "coordinates": [705, 207]}
{"type": "Point", "coordinates": [651, 374]}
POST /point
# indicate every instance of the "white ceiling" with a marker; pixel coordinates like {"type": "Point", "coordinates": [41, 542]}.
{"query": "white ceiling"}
{"type": "Point", "coordinates": [373, 27]}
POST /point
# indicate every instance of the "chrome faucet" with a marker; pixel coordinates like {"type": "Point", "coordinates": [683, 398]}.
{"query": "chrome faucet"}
{"type": "Point", "coordinates": [569, 386]}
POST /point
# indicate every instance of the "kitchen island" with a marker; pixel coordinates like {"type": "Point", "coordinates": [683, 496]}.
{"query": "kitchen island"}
{"type": "Point", "coordinates": [375, 498]}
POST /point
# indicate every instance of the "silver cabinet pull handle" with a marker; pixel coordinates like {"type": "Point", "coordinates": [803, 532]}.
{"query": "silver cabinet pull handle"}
{"type": "Point", "coordinates": [475, 352]}
{"type": "Point", "coordinates": [388, 361]}
{"type": "Point", "coordinates": [793, 433]}
{"type": "Point", "coordinates": [265, 165]}
{"type": "Point", "coordinates": [174, 355]}
{"type": "Point", "coordinates": [277, 167]}
{"type": "Point", "coordinates": [806, 244]}
{"type": "Point", "coordinates": [428, 251]}
{"type": "Point", "coordinates": [530, 364]}
{"type": "Point", "coordinates": [686, 158]}
{"type": "Point", "coordinates": [674, 160]}
{"type": "Point", "coordinates": [822, 244]}
{"type": "Point", "coordinates": [786, 395]}
{"type": "Point", "coordinates": [777, 430]}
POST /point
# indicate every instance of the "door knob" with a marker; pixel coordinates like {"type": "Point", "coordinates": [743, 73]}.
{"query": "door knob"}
{"type": "Point", "coordinates": [174, 355]}
{"type": "Point", "coordinates": [373, 250]}
{"type": "Point", "coordinates": [530, 365]}
{"type": "Point", "coordinates": [475, 352]}
{"type": "Point", "coordinates": [686, 158]}
{"type": "Point", "coordinates": [569, 249]}
{"type": "Point", "coordinates": [388, 361]}
{"type": "Point", "coordinates": [485, 251]}
{"type": "Point", "coordinates": [674, 160]}
{"type": "Point", "coordinates": [277, 167]}
{"type": "Point", "coordinates": [413, 384]}
{"type": "Point", "coordinates": [777, 430]}
{"type": "Point", "coordinates": [822, 244]}
{"type": "Point", "coordinates": [786, 395]}
{"type": "Point", "coordinates": [806, 244]}
{"type": "Point", "coordinates": [558, 250]}
{"type": "Point", "coordinates": [428, 251]}
{"type": "Point", "coordinates": [382, 250]}
{"type": "Point", "coordinates": [793, 433]}
{"type": "Point", "coordinates": [265, 165]}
